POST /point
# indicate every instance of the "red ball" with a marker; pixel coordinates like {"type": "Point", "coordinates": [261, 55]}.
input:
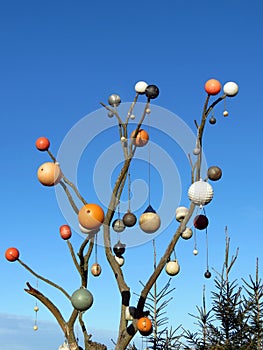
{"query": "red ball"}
{"type": "Point", "coordinates": [12, 254]}
{"type": "Point", "coordinates": [65, 232]}
{"type": "Point", "coordinates": [42, 144]}
{"type": "Point", "coordinates": [200, 222]}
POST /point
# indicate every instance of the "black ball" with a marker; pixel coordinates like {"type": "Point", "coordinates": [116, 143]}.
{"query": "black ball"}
{"type": "Point", "coordinates": [212, 120]}
{"type": "Point", "coordinates": [129, 219]}
{"type": "Point", "coordinates": [207, 274]}
{"type": "Point", "coordinates": [152, 91]}
{"type": "Point", "coordinates": [119, 249]}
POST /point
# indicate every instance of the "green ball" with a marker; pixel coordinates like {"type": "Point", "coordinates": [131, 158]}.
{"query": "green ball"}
{"type": "Point", "coordinates": [82, 299]}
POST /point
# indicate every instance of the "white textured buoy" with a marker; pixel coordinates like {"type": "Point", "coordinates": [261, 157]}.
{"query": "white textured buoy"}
{"type": "Point", "coordinates": [140, 87]}
{"type": "Point", "coordinates": [172, 268]}
{"type": "Point", "coordinates": [200, 193]}
{"type": "Point", "coordinates": [230, 89]}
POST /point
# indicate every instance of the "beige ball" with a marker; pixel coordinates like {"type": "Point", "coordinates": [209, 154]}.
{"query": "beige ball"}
{"type": "Point", "coordinates": [187, 234]}
{"type": "Point", "coordinates": [49, 174]}
{"type": "Point", "coordinates": [149, 222]}
{"type": "Point", "coordinates": [181, 213]}
{"type": "Point", "coordinates": [172, 268]}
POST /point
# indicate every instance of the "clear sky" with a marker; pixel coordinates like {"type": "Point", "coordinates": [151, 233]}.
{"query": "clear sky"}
{"type": "Point", "coordinates": [59, 59]}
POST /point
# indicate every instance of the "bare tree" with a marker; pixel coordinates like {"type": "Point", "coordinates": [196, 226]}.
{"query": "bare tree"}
{"type": "Point", "coordinates": [81, 256]}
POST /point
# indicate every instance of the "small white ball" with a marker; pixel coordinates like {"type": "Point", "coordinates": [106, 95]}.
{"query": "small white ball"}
{"type": "Point", "coordinates": [35, 328]}
{"type": "Point", "coordinates": [195, 251]}
{"type": "Point", "coordinates": [230, 89]}
{"type": "Point", "coordinates": [140, 87]}
{"type": "Point", "coordinates": [132, 117]}
{"type": "Point", "coordinates": [123, 139]}
{"type": "Point", "coordinates": [225, 113]}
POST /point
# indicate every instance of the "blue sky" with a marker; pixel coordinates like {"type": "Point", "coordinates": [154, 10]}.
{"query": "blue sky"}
{"type": "Point", "coordinates": [58, 61]}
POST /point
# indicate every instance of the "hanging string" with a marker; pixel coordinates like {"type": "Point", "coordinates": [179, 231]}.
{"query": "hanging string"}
{"type": "Point", "coordinates": [119, 218]}
{"type": "Point", "coordinates": [149, 162]}
{"type": "Point", "coordinates": [206, 234]}
{"type": "Point", "coordinates": [96, 248]}
{"type": "Point", "coordinates": [129, 191]}
{"type": "Point", "coordinates": [36, 308]}
{"type": "Point", "coordinates": [174, 254]}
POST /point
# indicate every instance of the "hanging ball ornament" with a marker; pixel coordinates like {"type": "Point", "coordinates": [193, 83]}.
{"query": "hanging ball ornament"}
{"type": "Point", "coordinates": [114, 100]}
{"type": "Point", "coordinates": [181, 213]}
{"type": "Point", "coordinates": [12, 254]}
{"type": "Point", "coordinates": [36, 308]}
{"type": "Point", "coordinates": [200, 193]}
{"type": "Point", "coordinates": [201, 222]}
{"type": "Point", "coordinates": [147, 111]}
{"type": "Point", "coordinates": [212, 120]}
{"type": "Point", "coordinates": [152, 91]}
{"type": "Point", "coordinates": [91, 216]}
{"type": "Point", "coordinates": [35, 327]}
{"type": "Point", "coordinates": [196, 151]}
{"type": "Point", "coordinates": [149, 221]}
{"type": "Point", "coordinates": [187, 233]}
{"type": "Point", "coordinates": [132, 117]}
{"type": "Point", "coordinates": [118, 225]}
{"type": "Point", "coordinates": [123, 139]}
{"type": "Point", "coordinates": [212, 87]}
{"type": "Point", "coordinates": [230, 89]}
{"type": "Point", "coordinates": [141, 139]}
{"type": "Point", "coordinates": [225, 113]}
{"type": "Point", "coordinates": [82, 299]}
{"type": "Point", "coordinates": [120, 260]}
{"type": "Point", "coordinates": [144, 325]}
{"type": "Point", "coordinates": [42, 144]}
{"type": "Point", "coordinates": [129, 219]}
{"type": "Point", "coordinates": [207, 274]}
{"type": "Point", "coordinates": [110, 114]}
{"type": "Point", "coordinates": [119, 248]}
{"type": "Point", "coordinates": [49, 174]}
{"type": "Point", "coordinates": [140, 87]}
{"type": "Point", "coordinates": [214, 173]}
{"type": "Point", "coordinates": [65, 232]}
{"type": "Point", "coordinates": [195, 251]}
{"type": "Point", "coordinates": [95, 269]}
{"type": "Point", "coordinates": [172, 268]}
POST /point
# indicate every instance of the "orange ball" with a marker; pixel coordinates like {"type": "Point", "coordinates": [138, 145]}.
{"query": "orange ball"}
{"type": "Point", "coordinates": [141, 139]}
{"type": "Point", "coordinates": [42, 144]}
{"type": "Point", "coordinates": [49, 174]}
{"type": "Point", "coordinates": [144, 325]}
{"type": "Point", "coordinates": [12, 254]}
{"type": "Point", "coordinates": [212, 87]}
{"type": "Point", "coordinates": [91, 216]}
